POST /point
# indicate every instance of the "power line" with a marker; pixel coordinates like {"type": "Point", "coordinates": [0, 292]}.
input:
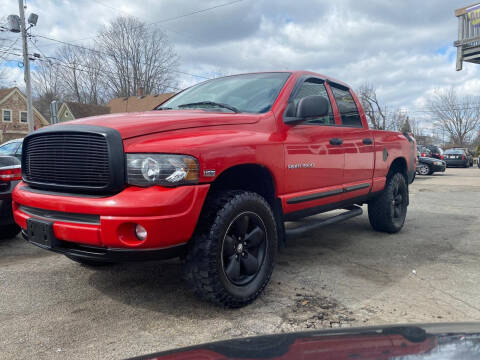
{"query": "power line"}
{"type": "Point", "coordinates": [175, 17]}
{"type": "Point", "coordinates": [12, 44]}
{"type": "Point", "coordinates": [79, 67]}
{"type": "Point", "coordinates": [106, 54]}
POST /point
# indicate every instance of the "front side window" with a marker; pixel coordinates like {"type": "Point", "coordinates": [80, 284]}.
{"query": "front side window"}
{"type": "Point", "coordinates": [23, 116]}
{"type": "Point", "coordinates": [251, 93]}
{"type": "Point", "coordinates": [7, 115]}
{"type": "Point", "coordinates": [346, 106]}
{"type": "Point", "coordinates": [311, 87]}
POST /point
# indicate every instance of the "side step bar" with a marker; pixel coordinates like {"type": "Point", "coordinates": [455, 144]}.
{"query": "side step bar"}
{"type": "Point", "coordinates": [301, 230]}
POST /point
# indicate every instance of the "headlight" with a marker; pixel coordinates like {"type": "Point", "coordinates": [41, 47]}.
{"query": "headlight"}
{"type": "Point", "coordinates": [161, 169]}
{"type": "Point", "coordinates": [437, 163]}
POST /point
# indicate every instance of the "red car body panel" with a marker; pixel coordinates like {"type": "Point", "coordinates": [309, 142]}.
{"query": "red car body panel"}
{"type": "Point", "coordinates": [169, 214]}
{"type": "Point", "coordinates": [221, 141]}
{"type": "Point", "coordinates": [342, 347]}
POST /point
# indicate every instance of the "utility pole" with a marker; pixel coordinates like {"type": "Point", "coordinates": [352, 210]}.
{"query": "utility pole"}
{"type": "Point", "coordinates": [26, 66]}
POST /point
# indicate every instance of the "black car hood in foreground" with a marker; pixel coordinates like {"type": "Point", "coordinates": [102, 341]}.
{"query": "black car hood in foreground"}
{"type": "Point", "coordinates": [457, 341]}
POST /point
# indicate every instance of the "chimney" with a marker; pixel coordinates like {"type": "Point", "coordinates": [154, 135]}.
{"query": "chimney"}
{"type": "Point", "coordinates": [140, 91]}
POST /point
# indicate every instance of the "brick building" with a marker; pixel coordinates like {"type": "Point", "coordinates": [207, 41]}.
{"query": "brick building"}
{"type": "Point", "coordinates": [72, 111]}
{"type": "Point", "coordinates": [13, 115]}
{"type": "Point", "coordinates": [137, 103]}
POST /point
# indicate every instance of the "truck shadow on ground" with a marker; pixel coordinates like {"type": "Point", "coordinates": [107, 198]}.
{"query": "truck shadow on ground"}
{"type": "Point", "coordinates": [351, 248]}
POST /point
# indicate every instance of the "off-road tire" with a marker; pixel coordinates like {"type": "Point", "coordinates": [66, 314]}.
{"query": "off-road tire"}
{"type": "Point", "coordinates": [203, 268]}
{"type": "Point", "coordinates": [381, 208]}
{"type": "Point", "coordinates": [89, 263]}
{"type": "Point", "coordinates": [9, 231]}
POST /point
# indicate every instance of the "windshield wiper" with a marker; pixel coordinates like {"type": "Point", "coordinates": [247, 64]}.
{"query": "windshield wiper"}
{"type": "Point", "coordinates": [163, 108]}
{"type": "Point", "coordinates": [213, 103]}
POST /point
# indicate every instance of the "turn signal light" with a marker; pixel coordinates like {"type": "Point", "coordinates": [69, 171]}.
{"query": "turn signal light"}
{"type": "Point", "coordinates": [10, 173]}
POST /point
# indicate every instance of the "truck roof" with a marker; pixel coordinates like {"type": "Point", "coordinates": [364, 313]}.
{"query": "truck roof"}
{"type": "Point", "coordinates": [299, 73]}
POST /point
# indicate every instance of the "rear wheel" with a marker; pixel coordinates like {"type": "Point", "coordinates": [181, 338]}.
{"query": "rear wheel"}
{"type": "Point", "coordinates": [9, 231]}
{"type": "Point", "coordinates": [231, 258]}
{"type": "Point", "coordinates": [424, 169]}
{"type": "Point", "coordinates": [387, 212]}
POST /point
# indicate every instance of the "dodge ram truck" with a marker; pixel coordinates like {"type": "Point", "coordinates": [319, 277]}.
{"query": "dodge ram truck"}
{"type": "Point", "coordinates": [212, 176]}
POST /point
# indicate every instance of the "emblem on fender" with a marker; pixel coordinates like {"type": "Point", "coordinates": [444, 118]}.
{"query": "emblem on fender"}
{"type": "Point", "coordinates": [301, 166]}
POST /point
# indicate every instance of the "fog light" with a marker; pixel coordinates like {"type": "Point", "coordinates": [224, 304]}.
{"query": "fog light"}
{"type": "Point", "coordinates": [141, 232]}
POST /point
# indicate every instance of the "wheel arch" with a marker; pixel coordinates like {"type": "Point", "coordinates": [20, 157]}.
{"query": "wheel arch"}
{"type": "Point", "coordinates": [399, 165]}
{"type": "Point", "coordinates": [240, 177]}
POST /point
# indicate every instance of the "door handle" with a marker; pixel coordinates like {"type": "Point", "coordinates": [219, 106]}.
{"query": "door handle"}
{"type": "Point", "coordinates": [368, 141]}
{"type": "Point", "coordinates": [336, 141]}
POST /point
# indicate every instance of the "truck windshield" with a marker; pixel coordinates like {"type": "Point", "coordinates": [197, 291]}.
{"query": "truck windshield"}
{"type": "Point", "coordinates": [251, 93]}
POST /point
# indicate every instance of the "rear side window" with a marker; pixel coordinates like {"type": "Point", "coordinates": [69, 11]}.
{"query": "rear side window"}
{"type": "Point", "coordinates": [314, 87]}
{"type": "Point", "coordinates": [346, 106]}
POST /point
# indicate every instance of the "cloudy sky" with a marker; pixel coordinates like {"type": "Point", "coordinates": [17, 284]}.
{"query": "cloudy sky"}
{"type": "Point", "coordinates": [403, 47]}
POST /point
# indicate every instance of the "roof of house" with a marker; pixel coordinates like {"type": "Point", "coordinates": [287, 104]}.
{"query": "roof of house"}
{"type": "Point", "coordinates": [5, 93]}
{"type": "Point", "coordinates": [138, 103]}
{"type": "Point", "coordinates": [85, 110]}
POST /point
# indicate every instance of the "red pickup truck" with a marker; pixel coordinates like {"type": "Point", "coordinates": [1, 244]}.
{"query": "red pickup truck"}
{"type": "Point", "coordinates": [211, 176]}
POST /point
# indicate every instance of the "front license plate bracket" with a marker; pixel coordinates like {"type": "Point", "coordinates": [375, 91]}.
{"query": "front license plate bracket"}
{"type": "Point", "coordinates": [40, 232]}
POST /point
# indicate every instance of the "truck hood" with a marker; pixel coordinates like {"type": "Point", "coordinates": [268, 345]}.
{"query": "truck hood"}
{"type": "Point", "coordinates": [143, 123]}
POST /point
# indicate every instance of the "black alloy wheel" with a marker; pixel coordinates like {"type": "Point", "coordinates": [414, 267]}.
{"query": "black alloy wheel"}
{"type": "Point", "coordinates": [231, 256]}
{"type": "Point", "coordinates": [398, 203]}
{"type": "Point", "coordinates": [243, 248]}
{"type": "Point", "coordinates": [387, 211]}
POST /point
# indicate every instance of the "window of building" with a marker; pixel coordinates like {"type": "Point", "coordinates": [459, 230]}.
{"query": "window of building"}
{"type": "Point", "coordinates": [6, 115]}
{"type": "Point", "coordinates": [23, 116]}
{"type": "Point", "coordinates": [346, 106]}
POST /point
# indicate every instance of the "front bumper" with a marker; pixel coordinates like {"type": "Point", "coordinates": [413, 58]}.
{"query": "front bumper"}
{"type": "Point", "coordinates": [438, 168]}
{"type": "Point", "coordinates": [107, 224]}
{"type": "Point", "coordinates": [95, 253]}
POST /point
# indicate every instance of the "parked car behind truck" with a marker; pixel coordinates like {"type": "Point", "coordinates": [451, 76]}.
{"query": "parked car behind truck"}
{"type": "Point", "coordinates": [211, 176]}
{"type": "Point", "coordinates": [10, 175]}
{"type": "Point", "coordinates": [457, 157]}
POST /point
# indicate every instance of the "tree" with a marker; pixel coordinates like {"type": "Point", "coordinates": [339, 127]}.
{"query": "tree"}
{"type": "Point", "coordinates": [46, 85]}
{"type": "Point", "coordinates": [458, 115]}
{"type": "Point", "coordinates": [373, 110]}
{"type": "Point", "coordinates": [137, 57]}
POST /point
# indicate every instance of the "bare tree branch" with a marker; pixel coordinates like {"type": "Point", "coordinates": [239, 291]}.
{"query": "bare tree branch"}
{"type": "Point", "coordinates": [458, 115]}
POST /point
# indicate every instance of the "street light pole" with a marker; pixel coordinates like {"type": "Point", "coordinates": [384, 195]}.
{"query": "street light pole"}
{"type": "Point", "coordinates": [26, 66]}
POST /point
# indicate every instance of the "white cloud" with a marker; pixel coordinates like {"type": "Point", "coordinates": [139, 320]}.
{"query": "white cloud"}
{"type": "Point", "coordinates": [404, 48]}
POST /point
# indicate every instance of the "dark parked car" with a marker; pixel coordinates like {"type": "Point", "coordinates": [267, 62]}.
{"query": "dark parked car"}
{"type": "Point", "coordinates": [427, 166]}
{"type": "Point", "coordinates": [12, 148]}
{"type": "Point", "coordinates": [457, 157]}
{"type": "Point", "coordinates": [437, 152]}
{"type": "Point", "coordinates": [423, 151]}
{"type": "Point", "coordinates": [10, 175]}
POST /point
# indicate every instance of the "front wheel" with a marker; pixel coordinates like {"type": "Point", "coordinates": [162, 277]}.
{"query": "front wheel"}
{"type": "Point", "coordinates": [424, 169]}
{"type": "Point", "coordinates": [231, 256]}
{"type": "Point", "coordinates": [387, 212]}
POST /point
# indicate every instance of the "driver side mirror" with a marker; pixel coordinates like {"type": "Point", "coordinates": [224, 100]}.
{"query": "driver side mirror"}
{"type": "Point", "coordinates": [314, 106]}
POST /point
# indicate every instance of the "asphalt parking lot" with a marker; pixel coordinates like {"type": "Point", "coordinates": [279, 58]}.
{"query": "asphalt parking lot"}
{"type": "Point", "coordinates": [342, 275]}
